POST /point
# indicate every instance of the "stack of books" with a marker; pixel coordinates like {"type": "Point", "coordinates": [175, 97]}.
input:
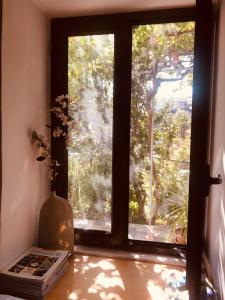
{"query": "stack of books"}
{"type": "Point", "coordinates": [33, 274]}
{"type": "Point", "coordinates": [7, 297]}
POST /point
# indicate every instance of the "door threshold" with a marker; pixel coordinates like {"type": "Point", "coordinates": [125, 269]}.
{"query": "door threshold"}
{"type": "Point", "coordinates": [130, 255]}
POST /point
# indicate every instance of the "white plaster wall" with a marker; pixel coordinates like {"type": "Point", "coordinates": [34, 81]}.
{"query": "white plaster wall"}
{"type": "Point", "coordinates": [24, 108]}
{"type": "Point", "coordinates": [216, 209]}
{"type": "Point", "coordinates": [63, 8]}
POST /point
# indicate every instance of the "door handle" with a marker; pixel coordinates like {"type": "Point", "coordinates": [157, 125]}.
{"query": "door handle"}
{"type": "Point", "coordinates": [215, 180]}
{"type": "Point", "coordinates": [208, 180]}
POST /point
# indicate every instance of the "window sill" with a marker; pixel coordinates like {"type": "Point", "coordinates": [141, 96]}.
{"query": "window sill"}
{"type": "Point", "coordinates": [119, 254]}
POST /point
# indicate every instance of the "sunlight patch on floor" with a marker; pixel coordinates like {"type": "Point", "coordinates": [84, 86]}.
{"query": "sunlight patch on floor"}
{"type": "Point", "coordinates": [110, 296]}
{"type": "Point", "coordinates": [98, 278]}
{"type": "Point", "coordinates": [103, 264]}
{"type": "Point", "coordinates": [155, 291]}
{"type": "Point", "coordinates": [73, 296]}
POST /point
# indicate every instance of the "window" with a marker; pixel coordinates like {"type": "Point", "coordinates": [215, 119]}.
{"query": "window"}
{"type": "Point", "coordinates": [90, 80]}
{"type": "Point", "coordinates": [127, 175]}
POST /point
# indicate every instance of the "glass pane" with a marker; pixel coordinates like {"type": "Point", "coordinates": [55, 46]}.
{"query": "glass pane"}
{"type": "Point", "coordinates": [161, 105]}
{"type": "Point", "coordinates": [90, 73]}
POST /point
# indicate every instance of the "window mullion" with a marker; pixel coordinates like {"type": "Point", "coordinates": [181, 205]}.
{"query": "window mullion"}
{"type": "Point", "coordinates": [121, 132]}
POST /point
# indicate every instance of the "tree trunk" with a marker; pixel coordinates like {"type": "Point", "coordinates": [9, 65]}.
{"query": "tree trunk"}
{"type": "Point", "coordinates": [156, 195]}
{"type": "Point", "coordinates": [141, 198]}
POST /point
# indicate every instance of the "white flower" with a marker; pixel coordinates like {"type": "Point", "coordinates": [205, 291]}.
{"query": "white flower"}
{"type": "Point", "coordinates": [57, 132]}
{"type": "Point", "coordinates": [56, 109]}
{"type": "Point", "coordinates": [63, 104]}
{"type": "Point", "coordinates": [59, 98]}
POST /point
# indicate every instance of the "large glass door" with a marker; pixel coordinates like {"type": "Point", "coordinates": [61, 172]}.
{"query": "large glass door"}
{"type": "Point", "coordinates": [90, 81]}
{"type": "Point", "coordinates": [130, 175]}
{"type": "Point", "coordinates": [160, 131]}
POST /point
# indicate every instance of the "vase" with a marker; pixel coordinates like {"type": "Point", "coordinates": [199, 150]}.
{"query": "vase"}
{"type": "Point", "coordinates": [56, 229]}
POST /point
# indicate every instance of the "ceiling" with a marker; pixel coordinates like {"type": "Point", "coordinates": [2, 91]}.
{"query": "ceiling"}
{"type": "Point", "coordinates": [63, 8]}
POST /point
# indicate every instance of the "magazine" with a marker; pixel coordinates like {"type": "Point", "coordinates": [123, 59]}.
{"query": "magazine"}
{"type": "Point", "coordinates": [7, 297]}
{"type": "Point", "coordinates": [33, 274]}
{"type": "Point", "coordinates": [36, 264]}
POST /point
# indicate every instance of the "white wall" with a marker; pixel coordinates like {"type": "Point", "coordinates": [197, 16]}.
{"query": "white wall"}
{"type": "Point", "coordinates": [216, 210]}
{"type": "Point", "coordinates": [25, 99]}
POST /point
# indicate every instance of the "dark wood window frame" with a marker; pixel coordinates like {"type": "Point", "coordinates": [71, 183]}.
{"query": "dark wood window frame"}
{"type": "Point", "coordinates": [121, 26]}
